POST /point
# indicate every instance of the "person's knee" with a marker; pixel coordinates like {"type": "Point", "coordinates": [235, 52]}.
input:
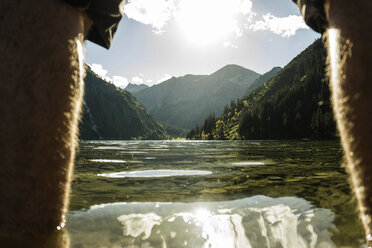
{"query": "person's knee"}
{"type": "Point", "coordinates": [41, 88]}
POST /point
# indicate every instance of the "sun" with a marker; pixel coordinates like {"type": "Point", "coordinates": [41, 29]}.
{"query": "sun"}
{"type": "Point", "coordinates": [208, 21]}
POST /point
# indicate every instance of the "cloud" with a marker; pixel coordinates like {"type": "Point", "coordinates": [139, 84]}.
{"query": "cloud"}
{"type": "Point", "coordinates": [98, 69]}
{"type": "Point", "coordinates": [140, 79]}
{"type": "Point", "coordinates": [137, 80]}
{"type": "Point", "coordinates": [228, 44]}
{"type": "Point", "coordinates": [164, 78]}
{"type": "Point", "coordinates": [198, 18]}
{"type": "Point", "coordinates": [207, 21]}
{"type": "Point", "coordinates": [150, 12]}
{"type": "Point", "coordinates": [244, 6]}
{"type": "Point", "coordinates": [283, 26]}
{"type": "Point", "coordinates": [120, 81]}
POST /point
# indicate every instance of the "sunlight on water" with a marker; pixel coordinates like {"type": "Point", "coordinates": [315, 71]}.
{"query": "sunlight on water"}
{"type": "Point", "coordinates": [134, 152]}
{"type": "Point", "coordinates": [156, 149]}
{"type": "Point", "coordinates": [250, 222]}
{"type": "Point", "coordinates": [184, 194]}
{"type": "Point", "coordinates": [137, 224]}
{"type": "Point", "coordinates": [108, 148]}
{"type": "Point", "coordinates": [248, 163]}
{"type": "Point", "coordinates": [155, 173]}
{"type": "Point", "coordinates": [107, 160]}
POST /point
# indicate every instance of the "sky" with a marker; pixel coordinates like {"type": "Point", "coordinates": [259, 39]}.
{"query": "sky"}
{"type": "Point", "coordinates": [158, 39]}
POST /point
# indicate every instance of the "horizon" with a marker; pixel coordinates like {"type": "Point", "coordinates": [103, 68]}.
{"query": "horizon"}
{"type": "Point", "coordinates": [188, 74]}
{"type": "Point", "coordinates": [109, 80]}
{"type": "Point", "coordinates": [164, 39]}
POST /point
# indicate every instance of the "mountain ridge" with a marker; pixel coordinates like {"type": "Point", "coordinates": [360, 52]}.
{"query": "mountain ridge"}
{"type": "Point", "coordinates": [185, 101]}
{"type": "Point", "coordinates": [293, 104]}
{"type": "Point", "coordinates": [262, 79]}
{"type": "Point", "coordinates": [135, 87]}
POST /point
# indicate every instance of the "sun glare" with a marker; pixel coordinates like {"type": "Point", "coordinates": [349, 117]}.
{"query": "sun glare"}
{"type": "Point", "coordinates": [202, 215]}
{"type": "Point", "coordinates": [207, 21]}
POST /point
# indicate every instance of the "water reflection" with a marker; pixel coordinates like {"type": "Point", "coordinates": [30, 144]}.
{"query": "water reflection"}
{"type": "Point", "coordinates": [108, 160]}
{"type": "Point", "coordinates": [248, 163]}
{"type": "Point", "coordinates": [108, 148]}
{"type": "Point", "coordinates": [257, 221]}
{"type": "Point", "coordinates": [155, 173]}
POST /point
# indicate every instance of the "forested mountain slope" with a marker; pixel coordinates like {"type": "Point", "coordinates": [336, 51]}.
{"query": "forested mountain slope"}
{"type": "Point", "coordinates": [294, 104]}
{"type": "Point", "coordinates": [261, 80]}
{"type": "Point", "coordinates": [135, 87]}
{"type": "Point", "coordinates": [186, 101]}
{"type": "Point", "coordinates": [112, 113]}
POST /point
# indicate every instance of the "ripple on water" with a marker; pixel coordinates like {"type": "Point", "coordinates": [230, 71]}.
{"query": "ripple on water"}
{"type": "Point", "coordinates": [108, 148]}
{"type": "Point", "coordinates": [107, 160]}
{"type": "Point", "coordinates": [257, 221]}
{"type": "Point", "coordinates": [156, 149]}
{"type": "Point", "coordinates": [248, 163]}
{"type": "Point", "coordinates": [134, 152]}
{"type": "Point", "coordinates": [155, 173]}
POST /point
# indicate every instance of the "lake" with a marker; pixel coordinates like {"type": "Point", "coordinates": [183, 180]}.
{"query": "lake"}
{"type": "Point", "coordinates": [212, 194]}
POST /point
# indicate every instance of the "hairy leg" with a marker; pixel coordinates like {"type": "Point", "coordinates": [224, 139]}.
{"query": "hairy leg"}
{"type": "Point", "coordinates": [41, 88]}
{"type": "Point", "coordinates": [350, 60]}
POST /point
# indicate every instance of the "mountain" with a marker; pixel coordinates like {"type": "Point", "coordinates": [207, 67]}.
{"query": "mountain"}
{"type": "Point", "coordinates": [185, 101]}
{"type": "Point", "coordinates": [293, 104]}
{"type": "Point", "coordinates": [132, 88]}
{"type": "Point", "coordinates": [174, 132]}
{"type": "Point", "coordinates": [261, 80]}
{"type": "Point", "coordinates": [112, 113]}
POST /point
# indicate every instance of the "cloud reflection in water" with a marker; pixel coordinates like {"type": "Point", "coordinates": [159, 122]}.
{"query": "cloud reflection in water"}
{"type": "Point", "coordinates": [250, 222]}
